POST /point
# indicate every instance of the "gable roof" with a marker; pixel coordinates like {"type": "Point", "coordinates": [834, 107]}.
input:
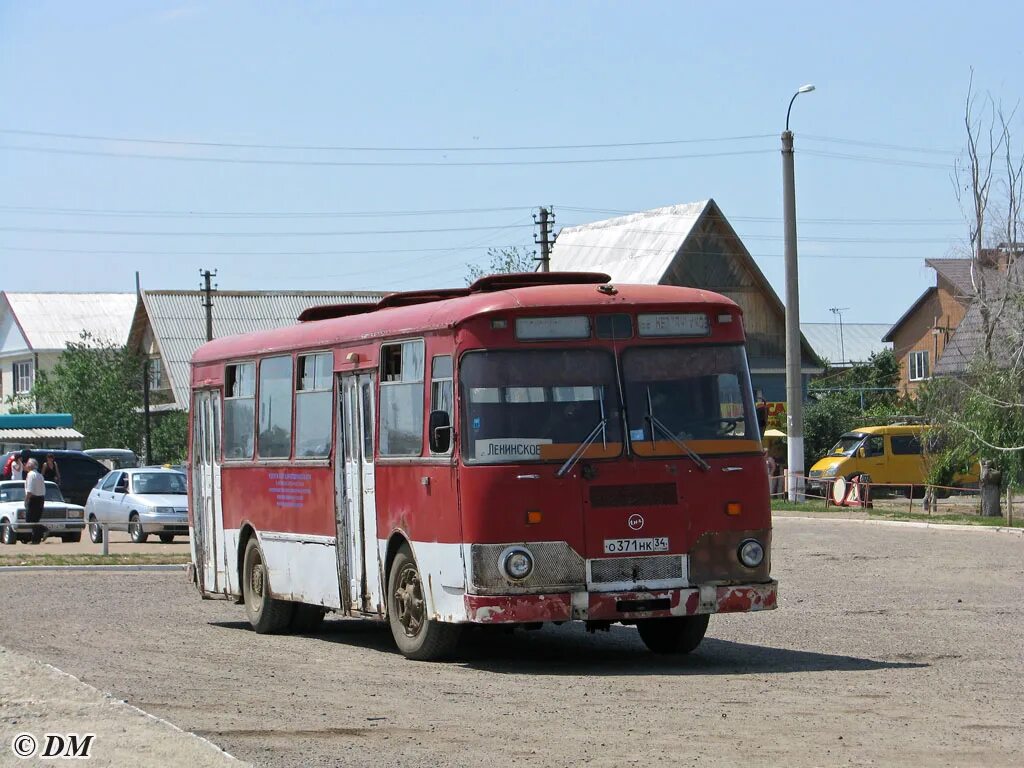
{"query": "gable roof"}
{"type": "Point", "coordinates": [957, 272]}
{"type": "Point", "coordinates": [646, 247]}
{"type": "Point", "coordinates": [178, 321]}
{"type": "Point", "coordinates": [854, 344]}
{"type": "Point", "coordinates": [968, 338]}
{"type": "Point", "coordinates": [928, 293]}
{"type": "Point", "coordinates": [50, 321]}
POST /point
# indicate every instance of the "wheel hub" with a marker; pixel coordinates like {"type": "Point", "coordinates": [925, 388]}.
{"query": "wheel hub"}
{"type": "Point", "coordinates": [409, 599]}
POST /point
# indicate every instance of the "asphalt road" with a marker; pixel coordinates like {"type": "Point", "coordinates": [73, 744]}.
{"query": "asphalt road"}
{"type": "Point", "coordinates": [891, 646]}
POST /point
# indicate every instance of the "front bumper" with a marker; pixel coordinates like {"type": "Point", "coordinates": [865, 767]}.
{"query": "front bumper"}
{"type": "Point", "coordinates": [51, 526]}
{"type": "Point", "coordinates": [621, 606]}
{"type": "Point", "coordinates": [176, 523]}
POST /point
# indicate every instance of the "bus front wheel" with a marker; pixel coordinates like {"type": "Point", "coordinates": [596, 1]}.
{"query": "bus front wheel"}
{"type": "Point", "coordinates": [417, 636]}
{"type": "Point", "coordinates": [679, 634]}
{"type": "Point", "coordinates": [266, 614]}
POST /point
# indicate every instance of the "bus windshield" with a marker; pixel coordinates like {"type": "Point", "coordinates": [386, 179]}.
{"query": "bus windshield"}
{"type": "Point", "coordinates": [694, 393]}
{"type": "Point", "coordinates": [538, 405]}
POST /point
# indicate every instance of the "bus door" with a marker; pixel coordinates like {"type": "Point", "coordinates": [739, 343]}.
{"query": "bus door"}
{"type": "Point", "coordinates": [356, 508]}
{"type": "Point", "coordinates": [207, 539]}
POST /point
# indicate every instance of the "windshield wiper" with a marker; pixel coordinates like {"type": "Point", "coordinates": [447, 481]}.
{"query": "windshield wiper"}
{"type": "Point", "coordinates": [668, 433]}
{"type": "Point", "coordinates": [587, 442]}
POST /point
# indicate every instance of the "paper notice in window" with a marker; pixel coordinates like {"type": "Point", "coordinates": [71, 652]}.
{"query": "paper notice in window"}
{"type": "Point", "coordinates": [510, 449]}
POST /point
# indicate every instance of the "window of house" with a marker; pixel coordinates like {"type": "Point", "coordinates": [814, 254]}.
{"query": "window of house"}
{"type": "Point", "coordinates": [313, 388]}
{"type": "Point", "coordinates": [918, 365]}
{"type": "Point", "coordinates": [239, 410]}
{"type": "Point", "coordinates": [23, 376]}
{"type": "Point", "coordinates": [275, 418]}
{"type": "Point", "coordinates": [441, 387]}
{"type": "Point", "coordinates": [905, 445]}
{"type": "Point", "coordinates": [156, 373]}
{"type": "Point", "coordinates": [401, 399]}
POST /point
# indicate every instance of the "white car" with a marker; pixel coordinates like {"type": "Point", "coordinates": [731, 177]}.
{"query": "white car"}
{"type": "Point", "coordinates": [141, 501]}
{"type": "Point", "coordinates": [59, 517]}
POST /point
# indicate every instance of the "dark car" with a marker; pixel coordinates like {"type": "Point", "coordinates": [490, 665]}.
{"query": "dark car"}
{"type": "Point", "coordinates": [78, 472]}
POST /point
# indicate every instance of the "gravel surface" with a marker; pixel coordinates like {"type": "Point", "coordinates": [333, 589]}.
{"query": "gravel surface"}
{"type": "Point", "coordinates": [36, 699]}
{"type": "Point", "coordinates": [891, 645]}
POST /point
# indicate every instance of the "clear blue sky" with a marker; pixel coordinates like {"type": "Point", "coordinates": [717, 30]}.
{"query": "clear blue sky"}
{"type": "Point", "coordinates": [480, 75]}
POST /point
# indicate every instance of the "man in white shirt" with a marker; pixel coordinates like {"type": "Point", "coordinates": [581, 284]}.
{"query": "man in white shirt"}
{"type": "Point", "coordinates": [35, 493]}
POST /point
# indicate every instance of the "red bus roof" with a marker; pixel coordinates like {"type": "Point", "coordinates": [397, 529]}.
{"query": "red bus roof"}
{"type": "Point", "coordinates": [440, 309]}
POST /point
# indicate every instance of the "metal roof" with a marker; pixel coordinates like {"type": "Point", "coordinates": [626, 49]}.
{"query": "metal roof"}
{"type": "Point", "coordinates": [49, 321]}
{"type": "Point", "coordinates": [648, 247]}
{"type": "Point", "coordinates": [638, 248]}
{"type": "Point", "coordinates": [178, 321]}
{"type": "Point", "coordinates": [856, 344]}
{"type": "Point", "coordinates": [56, 433]}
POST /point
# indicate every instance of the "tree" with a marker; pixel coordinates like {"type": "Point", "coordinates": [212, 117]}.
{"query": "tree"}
{"type": "Point", "coordinates": [100, 385]}
{"type": "Point", "coordinates": [980, 415]}
{"type": "Point", "coordinates": [170, 438]}
{"type": "Point", "coordinates": [503, 261]}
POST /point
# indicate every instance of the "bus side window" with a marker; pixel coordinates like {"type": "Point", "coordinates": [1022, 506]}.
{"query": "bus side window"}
{"type": "Point", "coordinates": [239, 410]}
{"type": "Point", "coordinates": [401, 399]}
{"type": "Point", "coordinates": [441, 388]}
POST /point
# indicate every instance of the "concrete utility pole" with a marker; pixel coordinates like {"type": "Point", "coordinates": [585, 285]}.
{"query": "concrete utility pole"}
{"type": "Point", "coordinates": [208, 300]}
{"type": "Point", "coordinates": [794, 383]}
{"type": "Point", "coordinates": [545, 219]}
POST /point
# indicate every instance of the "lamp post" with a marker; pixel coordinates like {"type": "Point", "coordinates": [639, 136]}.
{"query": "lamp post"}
{"type": "Point", "coordinates": [794, 386]}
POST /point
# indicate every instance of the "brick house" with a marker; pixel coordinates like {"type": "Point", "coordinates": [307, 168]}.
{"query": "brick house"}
{"type": "Point", "coordinates": [921, 335]}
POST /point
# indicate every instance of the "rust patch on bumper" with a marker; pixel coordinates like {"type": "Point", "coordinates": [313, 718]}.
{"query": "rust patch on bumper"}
{"type": "Point", "coordinates": [488, 609]}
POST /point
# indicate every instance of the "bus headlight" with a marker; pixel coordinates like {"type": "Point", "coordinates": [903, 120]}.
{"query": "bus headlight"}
{"type": "Point", "coordinates": [517, 563]}
{"type": "Point", "coordinates": [751, 553]}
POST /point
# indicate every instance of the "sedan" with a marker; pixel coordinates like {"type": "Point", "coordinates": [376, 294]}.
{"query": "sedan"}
{"type": "Point", "coordinates": [59, 517]}
{"type": "Point", "coordinates": [141, 501]}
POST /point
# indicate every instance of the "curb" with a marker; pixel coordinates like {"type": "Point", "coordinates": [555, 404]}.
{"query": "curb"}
{"type": "Point", "coordinates": [94, 568]}
{"type": "Point", "coordinates": [1019, 532]}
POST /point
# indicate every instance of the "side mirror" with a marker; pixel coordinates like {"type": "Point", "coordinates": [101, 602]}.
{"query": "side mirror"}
{"type": "Point", "coordinates": [439, 432]}
{"type": "Point", "coordinates": [862, 452]}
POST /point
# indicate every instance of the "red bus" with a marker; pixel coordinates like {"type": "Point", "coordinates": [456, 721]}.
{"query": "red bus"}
{"type": "Point", "coordinates": [533, 448]}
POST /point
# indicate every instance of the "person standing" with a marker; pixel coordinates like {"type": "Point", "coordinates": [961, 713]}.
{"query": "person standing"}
{"type": "Point", "coordinates": [50, 470]}
{"type": "Point", "coordinates": [35, 493]}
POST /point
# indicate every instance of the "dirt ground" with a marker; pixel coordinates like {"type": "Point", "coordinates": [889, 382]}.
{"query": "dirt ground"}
{"type": "Point", "coordinates": [891, 646]}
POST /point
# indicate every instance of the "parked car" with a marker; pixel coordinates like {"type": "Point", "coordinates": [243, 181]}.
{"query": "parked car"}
{"type": "Point", "coordinates": [78, 472]}
{"type": "Point", "coordinates": [141, 501]}
{"type": "Point", "coordinates": [59, 517]}
{"type": "Point", "coordinates": [888, 454]}
{"type": "Point", "coordinates": [114, 458]}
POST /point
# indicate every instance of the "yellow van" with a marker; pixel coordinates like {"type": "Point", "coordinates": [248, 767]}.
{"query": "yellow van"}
{"type": "Point", "coordinates": [890, 454]}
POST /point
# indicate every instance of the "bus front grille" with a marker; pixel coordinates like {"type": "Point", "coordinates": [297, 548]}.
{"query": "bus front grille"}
{"type": "Point", "coordinates": [557, 567]}
{"type": "Point", "coordinates": [616, 570]}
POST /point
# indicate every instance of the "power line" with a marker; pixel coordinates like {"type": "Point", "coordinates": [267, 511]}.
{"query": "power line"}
{"type": "Point", "coordinates": [381, 164]}
{"type": "Point", "coordinates": [776, 219]}
{"type": "Point", "coordinates": [343, 233]}
{"type": "Point", "coordinates": [175, 214]}
{"type": "Point", "coordinates": [343, 148]}
{"type": "Point", "coordinates": [879, 145]}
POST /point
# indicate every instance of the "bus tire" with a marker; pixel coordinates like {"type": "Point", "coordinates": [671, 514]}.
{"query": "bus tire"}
{"type": "Point", "coordinates": [267, 614]}
{"type": "Point", "coordinates": [417, 636]}
{"type": "Point", "coordinates": [306, 618]}
{"type": "Point", "coordinates": [678, 634]}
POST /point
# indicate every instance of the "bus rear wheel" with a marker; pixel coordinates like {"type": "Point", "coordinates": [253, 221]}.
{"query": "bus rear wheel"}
{"type": "Point", "coordinates": [266, 614]}
{"type": "Point", "coordinates": [417, 636]}
{"type": "Point", "coordinates": [679, 634]}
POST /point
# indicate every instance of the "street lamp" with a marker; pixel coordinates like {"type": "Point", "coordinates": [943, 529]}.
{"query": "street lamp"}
{"type": "Point", "coordinates": [794, 387]}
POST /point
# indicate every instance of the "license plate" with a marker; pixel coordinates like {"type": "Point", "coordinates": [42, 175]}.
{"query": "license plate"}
{"type": "Point", "coordinates": [616, 546]}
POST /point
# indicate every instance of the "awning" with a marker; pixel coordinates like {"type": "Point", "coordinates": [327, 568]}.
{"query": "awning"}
{"type": "Point", "coordinates": [774, 433]}
{"type": "Point", "coordinates": [42, 433]}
